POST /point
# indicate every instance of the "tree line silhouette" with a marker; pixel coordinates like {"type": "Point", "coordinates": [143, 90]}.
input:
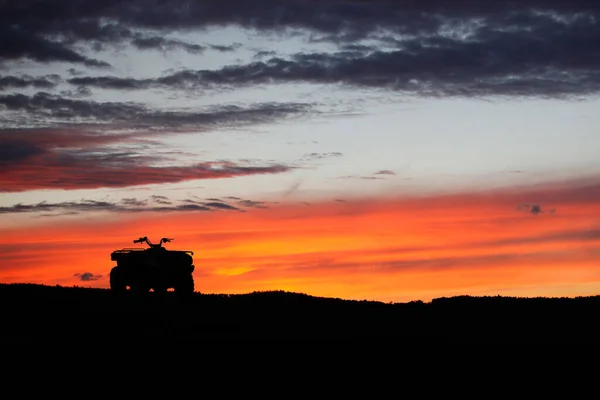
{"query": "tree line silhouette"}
{"type": "Point", "coordinates": [39, 310]}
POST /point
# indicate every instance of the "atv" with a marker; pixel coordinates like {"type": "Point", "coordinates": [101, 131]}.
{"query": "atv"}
{"type": "Point", "coordinates": [155, 268]}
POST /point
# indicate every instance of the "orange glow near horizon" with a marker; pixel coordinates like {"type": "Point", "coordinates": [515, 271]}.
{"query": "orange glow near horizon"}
{"type": "Point", "coordinates": [386, 249]}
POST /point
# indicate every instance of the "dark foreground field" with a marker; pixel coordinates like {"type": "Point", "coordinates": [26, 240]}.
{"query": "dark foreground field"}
{"type": "Point", "coordinates": [44, 311]}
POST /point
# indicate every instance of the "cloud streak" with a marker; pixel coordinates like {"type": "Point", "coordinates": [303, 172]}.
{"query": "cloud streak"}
{"type": "Point", "coordinates": [152, 204]}
{"type": "Point", "coordinates": [46, 107]}
{"type": "Point", "coordinates": [70, 173]}
{"type": "Point", "coordinates": [71, 159]}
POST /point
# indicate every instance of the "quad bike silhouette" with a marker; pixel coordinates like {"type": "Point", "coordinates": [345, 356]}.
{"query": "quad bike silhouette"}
{"type": "Point", "coordinates": [154, 268]}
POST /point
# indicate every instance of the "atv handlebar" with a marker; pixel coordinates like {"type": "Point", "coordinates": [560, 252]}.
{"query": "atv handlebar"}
{"type": "Point", "coordinates": [145, 239]}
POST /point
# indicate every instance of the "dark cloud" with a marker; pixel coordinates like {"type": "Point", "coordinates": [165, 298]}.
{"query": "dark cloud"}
{"type": "Point", "coordinates": [161, 199]}
{"type": "Point", "coordinates": [71, 207]}
{"type": "Point", "coordinates": [498, 64]}
{"type": "Point", "coordinates": [86, 19]}
{"type": "Point", "coordinates": [127, 205]}
{"type": "Point", "coordinates": [17, 150]}
{"type": "Point", "coordinates": [132, 201]}
{"type": "Point", "coordinates": [250, 203]}
{"type": "Point", "coordinates": [218, 204]}
{"type": "Point", "coordinates": [77, 93]}
{"type": "Point", "coordinates": [553, 62]}
{"type": "Point", "coordinates": [24, 81]}
{"type": "Point", "coordinates": [225, 49]}
{"type": "Point", "coordinates": [87, 276]}
{"type": "Point", "coordinates": [74, 72]}
{"type": "Point", "coordinates": [534, 209]}
{"type": "Point", "coordinates": [113, 82]}
{"type": "Point", "coordinates": [17, 43]}
{"type": "Point", "coordinates": [162, 44]}
{"type": "Point", "coordinates": [46, 106]}
{"type": "Point", "coordinates": [434, 48]}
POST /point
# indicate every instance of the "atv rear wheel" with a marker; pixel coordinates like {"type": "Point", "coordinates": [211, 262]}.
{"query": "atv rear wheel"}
{"type": "Point", "coordinates": [116, 281]}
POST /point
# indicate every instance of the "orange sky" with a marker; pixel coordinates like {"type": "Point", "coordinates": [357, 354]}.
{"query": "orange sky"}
{"type": "Point", "coordinates": [392, 249]}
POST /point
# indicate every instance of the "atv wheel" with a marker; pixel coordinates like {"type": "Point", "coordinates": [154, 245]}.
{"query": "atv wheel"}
{"type": "Point", "coordinates": [116, 282]}
{"type": "Point", "coordinates": [185, 285]}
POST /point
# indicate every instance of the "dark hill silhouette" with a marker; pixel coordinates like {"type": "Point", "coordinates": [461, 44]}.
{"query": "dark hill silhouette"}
{"type": "Point", "coordinates": [44, 311]}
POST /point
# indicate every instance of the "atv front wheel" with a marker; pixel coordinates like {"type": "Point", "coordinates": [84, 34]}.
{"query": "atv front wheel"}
{"type": "Point", "coordinates": [185, 285]}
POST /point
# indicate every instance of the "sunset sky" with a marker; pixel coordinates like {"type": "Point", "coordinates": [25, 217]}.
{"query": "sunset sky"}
{"type": "Point", "coordinates": [378, 150]}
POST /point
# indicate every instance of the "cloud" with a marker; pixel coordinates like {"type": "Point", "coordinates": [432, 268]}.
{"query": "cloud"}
{"type": "Point", "coordinates": [69, 173]}
{"type": "Point", "coordinates": [319, 156]}
{"type": "Point", "coordinates": [534, 209]}
{"type": "Point", "coordinates": [79, 92]}
{"type": "Point", "coordinates": [71, 159]}
{"type": "Point", "coordinates": [18, 42]}
{"type": "Point", "coordinates": [162, 44]}
{"type": "Point", "coordinates": [385, 172]}
{"type": "Point", "coordinates": [52, 108]}
{"type": "Point", "coordinates": [25, 81]}
{"type": "Point", "coordinates": [431, 48]}
{"type": "Point", "coordinates": [251, 203]}
{"type": "Point", "coordinates": [154, 203]}
{"type": "Point", "coordinates": [491, 65]}
{"type": "Point", "coordinates": [220, 205]}
{"type": "Point", "coordinates": [87, 276]}
{"type": "Point", "coordinates": [87, 19]}
{"type": "Point", "coordinates": [161, 199]}
{"type": "Point", "coordinates": [368, 178]}
{"type": "Point", "coordinates": [17, 150]}
{"type": "Point", "coordinates": [132, 201]}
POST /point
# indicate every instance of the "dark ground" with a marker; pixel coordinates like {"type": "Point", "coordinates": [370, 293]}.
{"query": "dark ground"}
{"type": "Point", "coordinates": [38, 311]}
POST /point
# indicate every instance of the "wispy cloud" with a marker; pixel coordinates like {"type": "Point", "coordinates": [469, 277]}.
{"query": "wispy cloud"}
{"type": "Point", "coordinates": [152, 204]}
{"type": "Point", "coordinates": [319, 156]}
